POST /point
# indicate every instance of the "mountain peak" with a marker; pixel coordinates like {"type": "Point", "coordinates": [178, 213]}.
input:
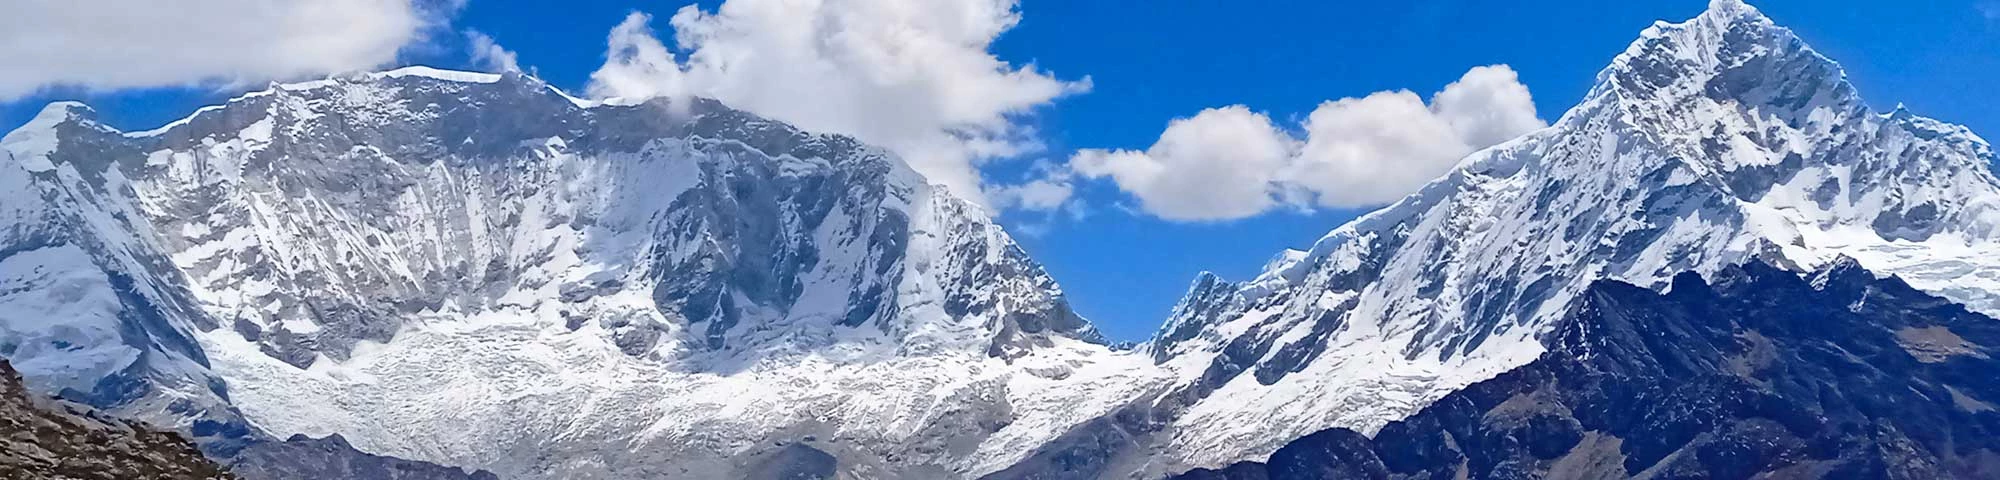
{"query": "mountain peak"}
{"type": "Point", "coordinates": [1732, 8]}
{"type": "Point", "coordinates": [31, 144]}
{"type": "Point", "coordinates": [441, 74]}
{"type": "Point", "coordinates": [1721, 16]}
{"type": "Point", "coordinates": [59, 111]}
{"type": "Point", "coordinates": [416, 72]}
{"type": "Point", "coordinates": [1731, 52]}
{"type": "Point", "coordinates": [1713, 92]}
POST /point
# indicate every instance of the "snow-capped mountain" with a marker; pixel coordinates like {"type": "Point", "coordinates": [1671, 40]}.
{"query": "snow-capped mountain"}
{"type": "Point", "coordinates": [1758, 372]}
{"type": "Point", "coordinates": [479, 270]}
{"type": "Point", "coordinates": [1705, 144]}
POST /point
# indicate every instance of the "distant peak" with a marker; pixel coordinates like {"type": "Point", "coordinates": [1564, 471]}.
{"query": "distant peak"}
{"type": "Point", "coordinates": [66, 105]}
{"type": "Point", "coordinates": [1205, 280]}
{"type": "Point", "coordinates": [56, 113]}
{"type": "Point", "coordinates": [1284, 260]}
{"type": "Point", "coordinates": [31, 144]}
{"type": "Point", "coordinates": [419, 72]}
{"type": "Point", "coordinates": [1843, 270]}
{"type": "Point", "coordinates": [441, 74]}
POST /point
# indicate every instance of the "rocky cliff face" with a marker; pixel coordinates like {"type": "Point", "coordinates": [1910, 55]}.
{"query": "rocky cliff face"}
{"type": "Point", "coordinates": [52, 439]}
{"type": "Point", "coordinates": [1757, 373]}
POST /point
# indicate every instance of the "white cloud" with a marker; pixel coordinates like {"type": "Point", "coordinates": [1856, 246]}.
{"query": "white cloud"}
{"type": "Point", "coordinates": [637, 64]}
{"type": "Point", "coordinates": [1374, 149]}
{"type": "Point", "coordinates": [114, 44]}
{"type": "Point", "coordinates": [1232, 163]}
{"type": "Point", "coordinates": [914, 76]}
{"type": "Point", "coordinates": [1222, 163]}
{"type": "Point", "coordinates": [488, 54]}
{"type": "Point", "coordinates": [1487, 106]}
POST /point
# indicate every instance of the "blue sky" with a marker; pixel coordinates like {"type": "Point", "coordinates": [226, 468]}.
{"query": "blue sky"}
{"type": "Point", "coordinates": [1151, 62]}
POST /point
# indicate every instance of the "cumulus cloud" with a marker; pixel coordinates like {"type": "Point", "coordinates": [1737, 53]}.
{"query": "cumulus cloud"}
{"type": "Point", "coordinates": [914, 76]}
{"type": "Point", "coordinates": [1487, 106]}
{"type": "Point", "coordinates": [1221, 163]}
{"type": "Point", "coordinates": [114, 44]}
{"type": "Point", "coordinates": [488, 54]}
{"type": "Point", "coordinates": [1231, 162]}
{"type": "Point", "coordinates": [1374, 149]}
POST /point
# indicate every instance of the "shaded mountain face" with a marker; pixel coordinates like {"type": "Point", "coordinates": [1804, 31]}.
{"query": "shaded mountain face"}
{"type": "Point", "coordinates": [1705, 144]}
{"type": "Point", "coordinates": [1757, 373]}
{"type": "Point", "coordinates": [333, 458]}
{"type": "Point", "coordinates": [51, 439]}
{"type": "Point", "coordinates": [478, 270]}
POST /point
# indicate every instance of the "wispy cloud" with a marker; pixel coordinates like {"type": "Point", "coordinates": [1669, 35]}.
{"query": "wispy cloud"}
{"type": "Point", "coordinates": [488, 54]}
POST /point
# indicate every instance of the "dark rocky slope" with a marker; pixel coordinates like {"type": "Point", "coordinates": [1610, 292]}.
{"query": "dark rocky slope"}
{"type": "Point", "coordinates": [333, 458]}
{"type": "Point", "coordinates": [1757, 374]}
{"type": "Point", "coordinates": [52, 439]}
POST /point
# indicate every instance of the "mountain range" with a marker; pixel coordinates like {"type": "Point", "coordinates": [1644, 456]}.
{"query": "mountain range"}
{"type": "Point", "coordinates": [434, 269]}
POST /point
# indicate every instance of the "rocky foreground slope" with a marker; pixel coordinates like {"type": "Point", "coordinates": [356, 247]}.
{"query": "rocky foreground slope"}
{"type": "Point", "coordinates": [47, 439]}
{"type": "Point", "coordinates": [1757, 373]}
